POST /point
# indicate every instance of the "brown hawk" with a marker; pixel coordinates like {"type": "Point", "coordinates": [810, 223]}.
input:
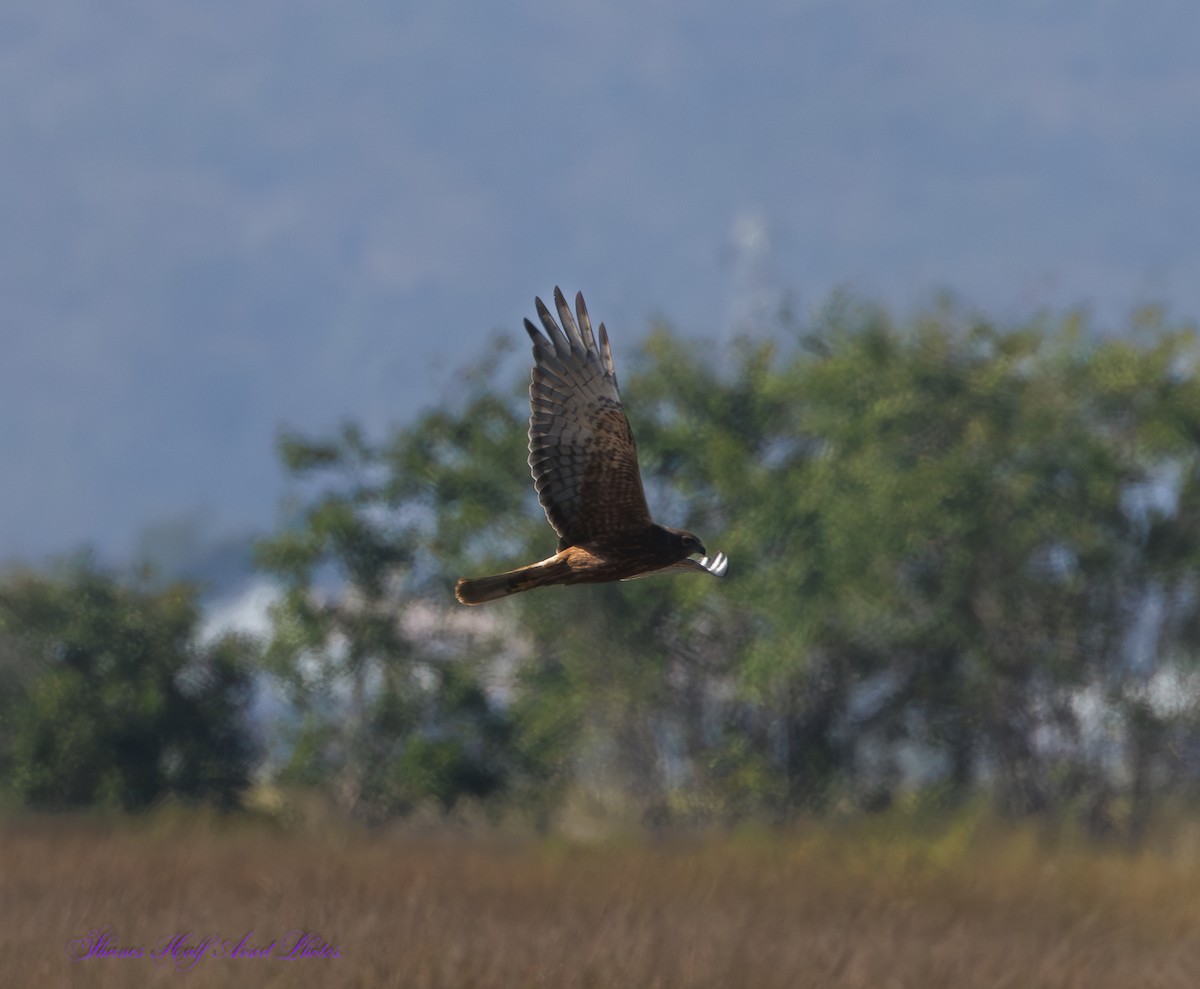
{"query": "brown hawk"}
{"type": "Point", "coordinates": [584, 464]}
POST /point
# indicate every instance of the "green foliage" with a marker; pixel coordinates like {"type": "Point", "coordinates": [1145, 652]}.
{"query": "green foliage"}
{"type": "Point", "coordinates": [110, 700]}
{"type": "Point", "coordinates": [394, 714]}
{"type": "Point", "coordinates": [943, 535]}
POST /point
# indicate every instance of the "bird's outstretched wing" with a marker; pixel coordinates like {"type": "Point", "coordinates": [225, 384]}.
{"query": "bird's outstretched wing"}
{"type": "Point", "coordinates": [581, 450]}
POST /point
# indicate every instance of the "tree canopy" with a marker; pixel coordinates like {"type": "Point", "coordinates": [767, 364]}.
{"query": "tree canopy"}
{"type": "Point", "coordinates": [963, 557]}
{"type": "Point", "coordinates": [963, 562]}
{"type": "Point", "coordinates": [108, 697]}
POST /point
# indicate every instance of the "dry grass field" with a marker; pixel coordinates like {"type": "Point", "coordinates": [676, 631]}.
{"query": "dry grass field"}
{"type": "Point", "coordinates": [862, 905]}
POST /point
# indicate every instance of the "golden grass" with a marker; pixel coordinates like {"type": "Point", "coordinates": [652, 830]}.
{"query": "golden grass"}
{"type": "Point", "coordinates": [868, 904]}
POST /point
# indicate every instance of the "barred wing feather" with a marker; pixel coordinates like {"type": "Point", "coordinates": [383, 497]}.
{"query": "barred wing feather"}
{"type": "Point", "coordinates": [581, 450]}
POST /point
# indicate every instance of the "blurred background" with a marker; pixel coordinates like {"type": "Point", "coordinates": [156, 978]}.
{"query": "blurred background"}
{"type": "Point", "coordinates": [900, 295]}
{"type": "Point", "coordinates": [221, 218]}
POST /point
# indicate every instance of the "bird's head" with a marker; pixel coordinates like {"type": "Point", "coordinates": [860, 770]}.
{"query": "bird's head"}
{"type": "Point", "coordinates": [691, 542]}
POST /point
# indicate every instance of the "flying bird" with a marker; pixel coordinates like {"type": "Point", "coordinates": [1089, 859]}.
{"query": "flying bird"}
{"type": "Point", "coordinates": [584, 464]}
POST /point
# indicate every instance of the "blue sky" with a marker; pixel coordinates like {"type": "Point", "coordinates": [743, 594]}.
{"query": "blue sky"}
{"type": "Point", "coordinates": [221, 217]}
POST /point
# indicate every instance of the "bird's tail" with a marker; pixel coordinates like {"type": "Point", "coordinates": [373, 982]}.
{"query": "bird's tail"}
{"type": "Point", "coordinates": [477, 590]}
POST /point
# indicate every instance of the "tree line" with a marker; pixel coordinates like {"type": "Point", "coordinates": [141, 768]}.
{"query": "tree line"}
{"type": "Point", "coordinates": [963, 563]}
